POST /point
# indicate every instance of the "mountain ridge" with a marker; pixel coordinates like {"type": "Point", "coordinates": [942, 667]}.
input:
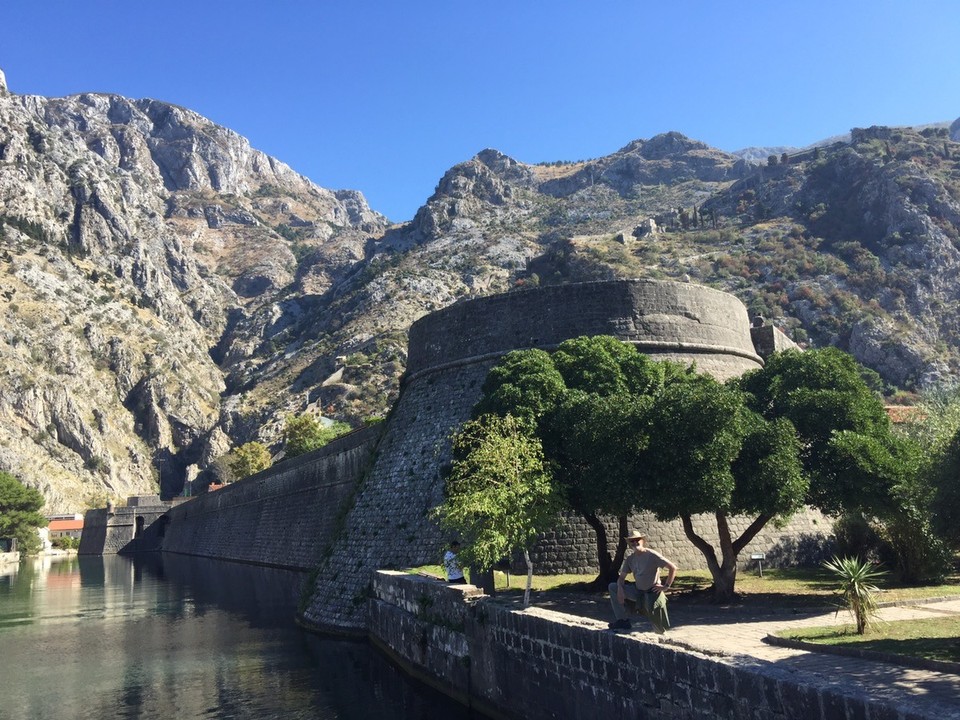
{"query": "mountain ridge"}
{"type": "Point", "coordinates": [169, 292]}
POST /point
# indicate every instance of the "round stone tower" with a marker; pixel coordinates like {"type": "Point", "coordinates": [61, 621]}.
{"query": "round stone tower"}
{"type": "Point", "coordinates": [671, 320]}
{"type": "Point", "coordinates": [450, 353]}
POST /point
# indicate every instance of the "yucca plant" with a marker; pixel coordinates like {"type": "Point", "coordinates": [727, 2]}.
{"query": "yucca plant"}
{"type": "Point", "coordinates": [858, 592]}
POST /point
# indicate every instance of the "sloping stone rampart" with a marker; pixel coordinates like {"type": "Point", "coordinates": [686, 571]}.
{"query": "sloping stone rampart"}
{"type": "Point", "coordinates": [450, 354]}
{"type": "Point", "coordinates": [285, 516]}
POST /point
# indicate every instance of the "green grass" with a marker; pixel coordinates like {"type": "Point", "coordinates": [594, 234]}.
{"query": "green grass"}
{"type": "Point", "coordinates": [779, 587]}
{"type": "Point", "coordinates": [934, 639]}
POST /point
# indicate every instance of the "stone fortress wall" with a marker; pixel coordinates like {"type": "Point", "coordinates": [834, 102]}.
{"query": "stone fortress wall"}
{"type": "Point", "coordinates": [285, 516]}
{"type": "Point", "coordinates": [134, 527]}
{"type": "Point", "coordinates": [450, 352]}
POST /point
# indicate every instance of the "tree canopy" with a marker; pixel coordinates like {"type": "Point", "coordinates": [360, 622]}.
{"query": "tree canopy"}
{"type": "Point", "coordinates": [621, 432]}
{"type": "Point", "coordinates": [304, 433]}
{"type": "Point", "coordinates": [587, 404]}
{"type": "Point", "coordinates": [250, 458]}
{"type": "Point", "coordinates": [20, 512]}
{"type": "Point", "coordinates": [499, 498]}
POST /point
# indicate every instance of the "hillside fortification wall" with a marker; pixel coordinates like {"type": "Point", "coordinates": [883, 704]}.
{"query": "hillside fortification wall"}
{"type": "Point", "coordinates": [450, 353]}
{"type": "Point", "coordinates": [285, 516]}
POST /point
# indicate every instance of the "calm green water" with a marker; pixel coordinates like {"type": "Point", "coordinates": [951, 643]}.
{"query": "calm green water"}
{"type": "Point", "coordinates": [177, 637]}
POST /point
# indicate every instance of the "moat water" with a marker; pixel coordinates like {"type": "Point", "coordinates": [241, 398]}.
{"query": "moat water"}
{"type": "Point", "coordinates": [164, 636]}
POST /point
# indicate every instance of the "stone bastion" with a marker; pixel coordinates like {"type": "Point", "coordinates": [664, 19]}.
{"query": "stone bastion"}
{"type": "Point", "coordinates": [450, 354]}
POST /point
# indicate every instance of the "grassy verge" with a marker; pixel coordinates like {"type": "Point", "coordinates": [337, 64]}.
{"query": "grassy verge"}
{"type": "Point", "coordinates": [814, 586]}
{"type": "Point", "coordinates": [934, 639]}
{"type": "Point", "coordinates": [779, 587]}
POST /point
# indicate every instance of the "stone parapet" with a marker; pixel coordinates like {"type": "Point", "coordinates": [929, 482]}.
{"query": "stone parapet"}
{"type": "Point", "coordinates": [539, 665]}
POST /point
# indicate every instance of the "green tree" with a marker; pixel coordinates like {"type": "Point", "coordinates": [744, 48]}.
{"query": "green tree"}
{"type": "Point", "coordinates": [20, 513]}
{"type": "Point", "coordinates": [250, 458]}
{"type": "Point", "coordinates": [821, 392]}
{"type": "Point", "coordinates": [499, 498]}
{"type": "Point", "coordinates": [586, 402]}
{"type": "Point", "coordinates": [303, 433]}
{"type": "Point", "coordinates": [709, 453]}
{"type": "Point", "coordinates": [853, 457]}
{"type": "Point", "coordinates": [935, 427]}
{"type": "Point", "coordinates": [594, 443]}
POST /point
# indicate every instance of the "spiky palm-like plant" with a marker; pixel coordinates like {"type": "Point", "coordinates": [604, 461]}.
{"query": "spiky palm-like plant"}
{"type": "Point", "coordinates": [859, 594]}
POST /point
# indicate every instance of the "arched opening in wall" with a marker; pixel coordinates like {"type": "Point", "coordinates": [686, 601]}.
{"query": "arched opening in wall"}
{"type": "Point", "coordinates": [139, 524]}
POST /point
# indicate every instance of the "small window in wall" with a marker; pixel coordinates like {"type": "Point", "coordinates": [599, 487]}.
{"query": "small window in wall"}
{"type": "Point", "coordinates": [139, 526]}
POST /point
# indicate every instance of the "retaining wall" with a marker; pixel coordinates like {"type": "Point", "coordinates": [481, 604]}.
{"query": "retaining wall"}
{"type": "Point", "coordinates": [538, 664]}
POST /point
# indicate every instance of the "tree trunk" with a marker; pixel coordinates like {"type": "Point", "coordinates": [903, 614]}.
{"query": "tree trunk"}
{"type": "Point", "coordinates": [724, 570]}
{"type": "Point", "coordinates": [621, 549]}
{"type": "Point", "coordinates": [604, 561]}
{"type": "Point", "coordinates": [526, 593]}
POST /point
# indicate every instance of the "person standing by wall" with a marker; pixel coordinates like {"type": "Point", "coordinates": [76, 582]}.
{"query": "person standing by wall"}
{"type": "Point", "coordinates": [646, 590]}
{"type": "Point", "coordinates": [451, 565]}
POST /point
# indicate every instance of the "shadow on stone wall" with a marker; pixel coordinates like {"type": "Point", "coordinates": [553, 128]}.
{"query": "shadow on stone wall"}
{"type": "Point", "coordinates": [804, 550]}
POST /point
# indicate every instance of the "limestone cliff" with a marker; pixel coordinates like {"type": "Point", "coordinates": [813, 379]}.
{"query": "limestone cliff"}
{"type": "Point", "coordinates": [137, 242]}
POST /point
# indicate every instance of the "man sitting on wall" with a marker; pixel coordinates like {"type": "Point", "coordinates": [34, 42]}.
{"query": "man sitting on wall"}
{"type": "Point", "coordinates": [646, 590]}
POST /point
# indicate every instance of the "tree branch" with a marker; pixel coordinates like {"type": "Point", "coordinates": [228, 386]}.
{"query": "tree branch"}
{"type": "Point", "coordinates": [750, 533]}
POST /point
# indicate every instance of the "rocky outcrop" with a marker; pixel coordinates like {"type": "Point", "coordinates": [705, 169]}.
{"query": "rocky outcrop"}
{"type": "Point", "coordinates": [136, 236]}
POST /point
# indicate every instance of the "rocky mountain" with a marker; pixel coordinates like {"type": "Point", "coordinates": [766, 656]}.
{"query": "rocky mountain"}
{"type": "Point", "coordinates": [143, 252]}
{"type": "Point", "coordinates": [168, 292]}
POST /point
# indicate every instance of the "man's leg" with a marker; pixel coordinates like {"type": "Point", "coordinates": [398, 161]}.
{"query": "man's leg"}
{"type": "Point", "coordinates": [654, 608]}
{"type": "Point", "coordinates": [630, 591]}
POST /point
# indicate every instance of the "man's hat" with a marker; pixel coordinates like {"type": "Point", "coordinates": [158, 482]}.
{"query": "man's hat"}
{"type": "Point", "coordinates": [636, 535]}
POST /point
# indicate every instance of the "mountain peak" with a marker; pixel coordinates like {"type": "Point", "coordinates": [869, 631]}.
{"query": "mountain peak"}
{"type": "Point", "coordinates": [663, 145]}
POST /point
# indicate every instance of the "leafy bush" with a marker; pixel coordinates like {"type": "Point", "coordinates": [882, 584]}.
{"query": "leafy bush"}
{"type": "Point", "coordinates": [65, 542]}
{"type": "Point", "coordinates": [304, 433]}
{"type": "Point", "coordinates": [250, 458]}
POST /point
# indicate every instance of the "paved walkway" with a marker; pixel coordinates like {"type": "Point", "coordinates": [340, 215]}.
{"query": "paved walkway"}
{"type": "Point", "coordinates": [736, 634]}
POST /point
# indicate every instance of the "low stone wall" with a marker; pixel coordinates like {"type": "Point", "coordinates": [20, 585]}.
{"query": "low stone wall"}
{"type": "Point", "coordinates": [285, 516]}
{"type": "Point", "coordinates": [538, 664]}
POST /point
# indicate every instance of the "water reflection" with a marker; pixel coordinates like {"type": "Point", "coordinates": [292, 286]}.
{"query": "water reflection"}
{"type": "Point", "coordinates": [172, 636]}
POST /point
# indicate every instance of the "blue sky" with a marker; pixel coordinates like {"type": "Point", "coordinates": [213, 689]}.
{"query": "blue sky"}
{"type": "Point", "coordinates": [383, 97]}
